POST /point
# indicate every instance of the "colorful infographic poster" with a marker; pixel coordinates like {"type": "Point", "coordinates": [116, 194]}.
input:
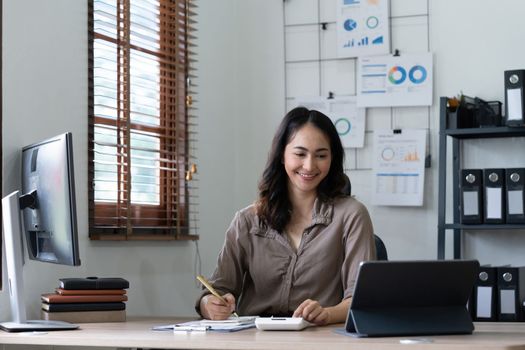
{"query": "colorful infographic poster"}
{"type": "Point", "coordinates": [399, 168]}
{"type": "Point", "coordinates": [363, 28]}
{"type": "Point", "coordinates": [386, 81]}
{"type": "Point", "coordinates": [347, 118]}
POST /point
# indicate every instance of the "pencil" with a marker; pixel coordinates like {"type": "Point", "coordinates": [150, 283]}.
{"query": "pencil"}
{"type": "Point", "coordinates": [212, 290]}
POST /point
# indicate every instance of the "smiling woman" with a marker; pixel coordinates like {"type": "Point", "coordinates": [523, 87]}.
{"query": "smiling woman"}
{"type": "Point", "coordinates": [296, 250]}
{"type": "Point", "coordinates": [307, 160]}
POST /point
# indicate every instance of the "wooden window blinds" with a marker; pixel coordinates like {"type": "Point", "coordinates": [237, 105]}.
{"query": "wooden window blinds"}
{"type": "Point", "coordinates": [141, 127]}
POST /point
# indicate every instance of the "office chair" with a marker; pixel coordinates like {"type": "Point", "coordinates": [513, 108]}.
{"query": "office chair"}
{"type": "Point", "coordinates": [380, 245]}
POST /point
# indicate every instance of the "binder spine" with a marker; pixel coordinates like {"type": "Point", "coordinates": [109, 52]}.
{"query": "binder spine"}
{"type": "Point", "coordinates": [514, 97]}
{"type": "Point", "coordinates": [515, 204]}
{"type": "Point", "coordinates": [471, 199]}
{"type": "Point", "coordinates": [494, 196]}
{"type": "Point", "coordinates": [484, 303]}
{"type": "Point", "coordinates": [511, 291]}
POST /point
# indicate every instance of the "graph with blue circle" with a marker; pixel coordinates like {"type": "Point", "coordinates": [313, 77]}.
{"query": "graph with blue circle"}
{"type": "Point", "coordinates": [343, 126]}
{"type": "Point", "coordinates": [397, 75]}
{"type": "Point", "coordinates": [372, 22]}
{"type": "Point", "coordinates": [417, 74]}
{"type": "Point", "coordinates": [349, 25]}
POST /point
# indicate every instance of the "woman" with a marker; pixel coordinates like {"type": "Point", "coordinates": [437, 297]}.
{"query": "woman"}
{"type": "Point", "coordinates": [296, 251]}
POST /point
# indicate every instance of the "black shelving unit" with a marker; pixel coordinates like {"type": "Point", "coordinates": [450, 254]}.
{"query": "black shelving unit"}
{"type": "Point", "coordinates": [457, 136]}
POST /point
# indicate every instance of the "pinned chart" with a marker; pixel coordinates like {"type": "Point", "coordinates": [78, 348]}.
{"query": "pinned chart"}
{"type": "Point", "coordinates": [386, 81]}
{"type": "Point", "coordinates": [399, 169]}
{"type": "Point", "coordinates": [362, 28]}
{"type": "Point", "coordinates": [349, 120]}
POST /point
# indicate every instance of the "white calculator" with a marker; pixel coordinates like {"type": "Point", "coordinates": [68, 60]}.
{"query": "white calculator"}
{"type": "Point", "coordinates": [281, 323]}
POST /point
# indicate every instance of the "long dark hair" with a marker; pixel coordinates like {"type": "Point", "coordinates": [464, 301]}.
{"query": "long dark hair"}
{"type": "Point", "coordinates": [273, 206]}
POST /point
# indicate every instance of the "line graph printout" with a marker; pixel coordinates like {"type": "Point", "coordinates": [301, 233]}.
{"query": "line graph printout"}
{"type": "Point", "coordinates": [399, 167]}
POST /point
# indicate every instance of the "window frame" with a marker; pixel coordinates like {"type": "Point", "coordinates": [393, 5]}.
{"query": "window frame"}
{"type": "Point", "coordinates": [125, 220]}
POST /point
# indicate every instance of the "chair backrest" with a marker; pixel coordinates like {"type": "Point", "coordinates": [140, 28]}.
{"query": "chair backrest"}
{"type": "Point", "coordinates": [380, 245]}
{"type": "Point", "coordinates": [380, 248]}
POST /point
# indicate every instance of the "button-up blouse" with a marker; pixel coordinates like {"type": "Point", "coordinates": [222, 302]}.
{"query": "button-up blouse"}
{"type": "Point", "coordinates": [268, 277]}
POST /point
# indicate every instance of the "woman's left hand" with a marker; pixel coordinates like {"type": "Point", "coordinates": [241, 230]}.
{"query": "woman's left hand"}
{"type": "Point", "coordinates": [313, 312]}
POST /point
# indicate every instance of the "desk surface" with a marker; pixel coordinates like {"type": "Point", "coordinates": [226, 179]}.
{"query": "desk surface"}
{"type": "Point", "coordinates": [137, 333]}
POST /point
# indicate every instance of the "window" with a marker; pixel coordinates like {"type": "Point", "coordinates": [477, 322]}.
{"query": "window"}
{"type": "Point", "coordinates": [140, 121]}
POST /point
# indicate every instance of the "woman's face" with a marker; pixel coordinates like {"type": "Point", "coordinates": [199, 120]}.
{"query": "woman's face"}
{"type": "Point", "coordinates": [307, 159]}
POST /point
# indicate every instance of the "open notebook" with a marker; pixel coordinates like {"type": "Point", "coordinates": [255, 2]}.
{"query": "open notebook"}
{"type": "Point", "coordinates": [231, 324]}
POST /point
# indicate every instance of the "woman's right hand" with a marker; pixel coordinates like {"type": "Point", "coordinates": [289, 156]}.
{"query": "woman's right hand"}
{"type": "Point", "coordinates": [214, 308]}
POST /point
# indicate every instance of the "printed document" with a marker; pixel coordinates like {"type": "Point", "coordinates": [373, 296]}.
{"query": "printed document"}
{"type": "Point", "coordinates": [399, 168]}
{"type": "Point", "coordinates": [232, 324]}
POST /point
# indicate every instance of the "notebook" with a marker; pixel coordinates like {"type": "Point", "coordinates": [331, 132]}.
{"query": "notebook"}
{"type": "Point", "coordinates": [232, 324]}
{"type": "Point", "coordinates": [397, 298]}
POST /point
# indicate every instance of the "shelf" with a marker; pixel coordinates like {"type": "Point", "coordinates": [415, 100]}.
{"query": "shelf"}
{"type": "Point", "coordinates": [499, 131]}
{"type": "Point", "coordinates": [485, 227]}
{"type": "Point", "coordinates": [454, 148]}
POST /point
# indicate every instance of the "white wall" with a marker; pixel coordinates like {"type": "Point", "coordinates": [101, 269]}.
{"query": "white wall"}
{"type": "Point", "coordinates": [473, 43]}
{"type": "Point", "coordinates": [241, 100]}
{"type": "Point", "coordinates": [45, 93]}
{"type": "Point", "coordinates": [313, 70]}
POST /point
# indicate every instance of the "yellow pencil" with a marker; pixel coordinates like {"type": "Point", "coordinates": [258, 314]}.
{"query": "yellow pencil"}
{"type": "Point", "coordinates": [212, 290]}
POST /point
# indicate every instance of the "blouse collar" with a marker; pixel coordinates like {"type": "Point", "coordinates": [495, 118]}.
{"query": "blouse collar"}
{"type": "Point", "coordinates": [322, 214]}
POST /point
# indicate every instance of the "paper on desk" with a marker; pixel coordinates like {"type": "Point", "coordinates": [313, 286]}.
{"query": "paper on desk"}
{"type": "Point", "coordinates": [230, 321]}
{"type": "Point", "coordinates": [232, 324]}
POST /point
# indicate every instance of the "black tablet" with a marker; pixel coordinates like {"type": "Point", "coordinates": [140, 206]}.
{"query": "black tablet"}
{"type": "Point", "coordinates": [394, 298]}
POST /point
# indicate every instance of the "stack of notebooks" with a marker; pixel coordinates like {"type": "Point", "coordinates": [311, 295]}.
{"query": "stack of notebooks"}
{"type": "Point", "coordinates": [80, 300]}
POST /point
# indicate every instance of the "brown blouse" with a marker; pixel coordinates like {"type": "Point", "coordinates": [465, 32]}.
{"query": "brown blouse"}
{"type": "Point", "coordinates": [267, 277]}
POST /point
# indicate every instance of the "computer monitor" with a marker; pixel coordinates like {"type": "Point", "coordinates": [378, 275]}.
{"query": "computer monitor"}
{"type": "Point", "coordinates": [47, 205]}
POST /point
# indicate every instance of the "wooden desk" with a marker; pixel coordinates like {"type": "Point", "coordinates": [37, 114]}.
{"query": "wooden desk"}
{"type": "Point", "coordinates": [137, 333]}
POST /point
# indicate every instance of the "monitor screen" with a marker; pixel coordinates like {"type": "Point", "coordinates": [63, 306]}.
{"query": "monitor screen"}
{"type": "Point", "coordinates": [48, 185]}
{"type": "Point", "coordinates": [47, 205]}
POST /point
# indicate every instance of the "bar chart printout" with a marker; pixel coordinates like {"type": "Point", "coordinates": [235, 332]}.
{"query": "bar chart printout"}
{"type": "Point", "coordinates": [399, 167]}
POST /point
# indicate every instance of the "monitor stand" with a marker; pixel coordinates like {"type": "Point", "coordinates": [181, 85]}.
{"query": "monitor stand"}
{"type": "Point", "coordinates": [37, 325]}
{"type": "Point", "coordinates": [14, 261]}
